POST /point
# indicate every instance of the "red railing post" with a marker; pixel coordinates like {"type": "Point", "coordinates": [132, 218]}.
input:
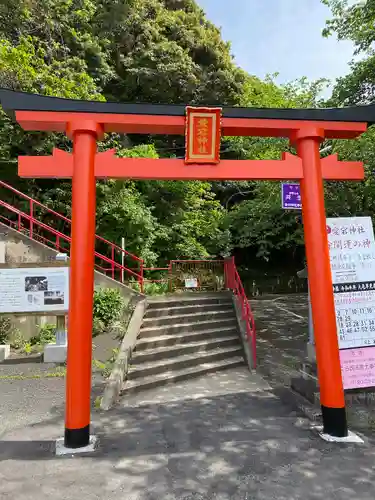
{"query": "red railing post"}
{"type": "Point", "coordinates": [170, 277]}
{"type": "Point", "coordinates": [31, 219]}
{"type": "Point", "coordinates": [226, 274]}
{"type": "Point", "coordinates": [141, 276]}
{"type": "Point", "coordinates": [113, 261]}
{"type": "Point", "coordinates": [253, 338]}
{"type": "Point", "coordinates": [233, 270]}
{"type": "Point", "coordinates": [229, 270]}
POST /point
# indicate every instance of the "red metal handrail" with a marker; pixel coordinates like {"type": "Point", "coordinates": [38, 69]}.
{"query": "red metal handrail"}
{"type": "Point", "coordinates": [233, 282]}
{"type": "Point", "coordinates": [60, 237]}
{"type": "Point", "coordinates": [34, 202]}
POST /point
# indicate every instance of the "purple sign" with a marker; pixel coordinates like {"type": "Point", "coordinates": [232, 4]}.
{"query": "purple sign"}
{"type": "Point", "coordinates": [291, 196]}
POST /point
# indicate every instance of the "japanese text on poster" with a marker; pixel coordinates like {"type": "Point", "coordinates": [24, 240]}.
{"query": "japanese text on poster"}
{"type": "Point", "coordinates": [34, 290]}
{"type": "Point", "coordinates": [352, 255]}
{"type": "Point", "coordinates": [358, 367]}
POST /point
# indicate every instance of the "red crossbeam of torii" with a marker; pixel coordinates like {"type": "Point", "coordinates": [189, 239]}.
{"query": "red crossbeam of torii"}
{"type": "Point", "coordinates": [108, 165]}
{"type": "Point", "coordinates": [87, 122]}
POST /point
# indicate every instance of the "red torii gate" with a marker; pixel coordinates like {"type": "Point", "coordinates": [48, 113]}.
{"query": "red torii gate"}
{"type": "Point", "coordinates": [86, 122]}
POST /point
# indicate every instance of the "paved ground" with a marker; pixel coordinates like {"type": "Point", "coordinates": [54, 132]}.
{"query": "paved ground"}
{"type": "Point", "coordinates": [282, 335]}
{"type": "Point", "coordinates": [226, 437]}
{"type": "Point", "coordinates": [282, 321]}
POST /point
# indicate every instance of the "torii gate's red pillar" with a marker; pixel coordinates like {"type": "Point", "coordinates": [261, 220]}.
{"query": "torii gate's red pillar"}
{"type": "Point", "coordinates": [320, 281]}
{"type": "Point", "coordinates": [82, 255]}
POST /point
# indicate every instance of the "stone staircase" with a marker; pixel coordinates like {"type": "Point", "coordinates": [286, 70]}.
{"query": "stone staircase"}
{"type": "Point", "coordinates": [182, 337]}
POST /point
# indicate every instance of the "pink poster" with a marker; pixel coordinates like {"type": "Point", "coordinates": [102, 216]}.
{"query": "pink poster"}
{"type": "Point", "coordinates": [358, 367]}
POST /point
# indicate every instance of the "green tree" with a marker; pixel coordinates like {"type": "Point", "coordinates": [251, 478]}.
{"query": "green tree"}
{"type": "Point", "coordinates": [193, 220]}
{"type": "Point", "coordinates": [23, 67]}
{"type": "Point", "coordinates": [257, 221]}
{"type": "Point", "coordinates": [352, 21]}
{"type": "Point", "coordinates": [355, 22]}
{"type": "Point", "coordinates": [136, 50]}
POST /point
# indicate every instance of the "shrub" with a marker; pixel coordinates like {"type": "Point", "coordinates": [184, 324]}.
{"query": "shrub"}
{"type": "Point", "coordinates": [98, 326]}
{"type": "Point", "coordinates": [108, 306]}
{"type": "Point", "coordinates": [45, 335]}
{"type": "Point", "coordinates": [151, 288]}
{"type": "Point", "coordinates": [18, 340]}
{"type": "Point", "coordinates": [5, 329]}
{"type": "Point", "coordinates": [28, 348]}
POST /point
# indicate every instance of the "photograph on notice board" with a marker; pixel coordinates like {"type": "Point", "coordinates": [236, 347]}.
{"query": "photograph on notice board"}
{"type": "Point", "coordinates": [36, 284]}
{"type": "Point", "coordinates": [34, 299]}
{"type": "Point", "coordinates": [53, 298]}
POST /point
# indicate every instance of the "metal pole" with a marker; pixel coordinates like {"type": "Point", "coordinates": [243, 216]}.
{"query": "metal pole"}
{"type": "Point", "coordinates": [61, 331]}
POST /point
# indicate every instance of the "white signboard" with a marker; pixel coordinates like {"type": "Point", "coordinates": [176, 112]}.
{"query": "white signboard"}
{"type": "Point", "coordinates": [34, 290]}
{"type": "Point", "coordinates": [191, 283]}
{"type": "Point", "coordinates": [352, 253]}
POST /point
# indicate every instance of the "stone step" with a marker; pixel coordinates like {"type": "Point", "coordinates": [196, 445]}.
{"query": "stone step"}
{"type": "Point", "coordinates": [187, 309]}
{"type": "Point", "coordinates": [189, 299]}
{"type": "Point", "coordinates": [132, 386]}
{"type": "Point", "coordinates": [182, 362]}
{"type": "Point", "coordinates": [166, 352]}
{"type": "Point", "coordinates": [193, 326]}
{"type": "Point", "coordinates": [179, 319]}
{"type": "Point", "coordinates": [183, 338]}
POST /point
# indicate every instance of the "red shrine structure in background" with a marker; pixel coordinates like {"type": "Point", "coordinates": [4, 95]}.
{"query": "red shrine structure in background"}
{"type": "Point", "coordinates": [87, 122]}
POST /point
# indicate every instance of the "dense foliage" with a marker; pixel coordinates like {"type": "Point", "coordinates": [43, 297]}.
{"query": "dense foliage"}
{"type": "Point", "coordinates": [167, 51]}
{"type": "Point", "coordinates": [108, 308]}
{"type": "Point", "coordinates": [354, 21]}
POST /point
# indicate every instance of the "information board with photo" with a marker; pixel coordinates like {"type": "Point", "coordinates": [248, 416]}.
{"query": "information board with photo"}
{"type": "Point", "coordinates": [34, 289]}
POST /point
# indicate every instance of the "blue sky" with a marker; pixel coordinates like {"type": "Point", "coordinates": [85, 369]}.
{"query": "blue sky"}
{"type": "Point", "coordinates": [283, 36]}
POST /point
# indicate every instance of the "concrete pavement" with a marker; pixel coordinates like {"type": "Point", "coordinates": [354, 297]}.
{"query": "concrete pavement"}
{"type": "Point", "coordinates": [225, 436]}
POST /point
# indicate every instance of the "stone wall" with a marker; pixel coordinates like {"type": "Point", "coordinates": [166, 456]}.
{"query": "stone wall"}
{"type": "Point", "coordinates": [16, 247]}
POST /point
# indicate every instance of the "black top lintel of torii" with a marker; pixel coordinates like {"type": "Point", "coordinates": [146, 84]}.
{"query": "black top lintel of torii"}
{"type": "Point", "coordinates": [12, 101]}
